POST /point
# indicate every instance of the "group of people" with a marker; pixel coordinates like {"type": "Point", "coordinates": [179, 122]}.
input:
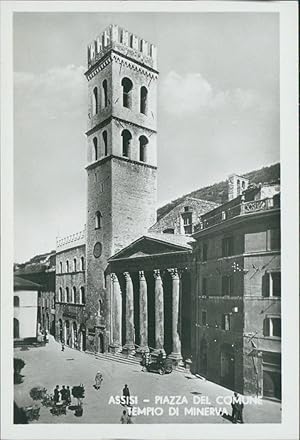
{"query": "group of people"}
{"type": "Point", "coordinates": [63, 395]}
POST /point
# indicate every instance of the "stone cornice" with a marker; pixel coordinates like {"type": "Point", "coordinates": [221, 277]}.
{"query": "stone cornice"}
{"type": "Point", "coordinates": [118, 120]}
{"type": "Point", "coordinates": [124, 159]}
{"type": "Point", "coordinates": [114, 55]}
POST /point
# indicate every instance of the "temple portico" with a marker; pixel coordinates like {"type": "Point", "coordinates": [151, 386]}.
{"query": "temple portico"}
{"type": "Point", "coordinates": [150, 300]}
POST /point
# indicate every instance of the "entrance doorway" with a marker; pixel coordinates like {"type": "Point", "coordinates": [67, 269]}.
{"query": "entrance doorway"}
{"type": "Point", "coordinates": [227, 367]}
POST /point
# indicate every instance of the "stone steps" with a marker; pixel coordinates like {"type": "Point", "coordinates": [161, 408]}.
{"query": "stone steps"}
{"type": "Point", "coordinates": [129, 360]}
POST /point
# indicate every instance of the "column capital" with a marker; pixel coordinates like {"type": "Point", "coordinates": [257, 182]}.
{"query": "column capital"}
{"type": "Point", "coordinates": [127, 276]}
{"type": "Point", "coordinates": [142, 275]}
{"type": "Point", "coordinates": [156, 274]}
{"type": "Point", "coordinates": [114, 278]}
{"type": "Point", "coordinates": [175, 274]}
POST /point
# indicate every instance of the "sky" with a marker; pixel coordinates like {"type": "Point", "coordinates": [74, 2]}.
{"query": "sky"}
{"type": "Point", "coordinates": [218, 108]}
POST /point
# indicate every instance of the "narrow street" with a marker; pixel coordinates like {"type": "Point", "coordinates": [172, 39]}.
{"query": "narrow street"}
{"type": "Point", "coordinates": [48, 366]}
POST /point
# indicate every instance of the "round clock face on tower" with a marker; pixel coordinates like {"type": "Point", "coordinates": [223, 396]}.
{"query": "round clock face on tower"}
{"type": "Point", "coordinates": [97, 249]}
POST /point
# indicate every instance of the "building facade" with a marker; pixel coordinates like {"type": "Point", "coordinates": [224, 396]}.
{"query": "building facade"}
{"type": "Point", "coordinates": [236, 294]}
{"type": "Point", "coordinates": [71, 290]}
{"type": "Point", "coordinates": [25, 326]}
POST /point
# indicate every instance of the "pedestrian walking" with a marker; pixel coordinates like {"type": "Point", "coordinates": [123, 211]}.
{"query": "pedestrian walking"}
{"type": "Point", "coordinates": [124, 418]}
{"type": "Point", "coordinates": [126, 394]}
{"type": "Point", "coordinates": [56, 394]}
{"type": "Point", "coordinates": [98, 380]}
{"type": "Point", "coordinates": [62, 345]}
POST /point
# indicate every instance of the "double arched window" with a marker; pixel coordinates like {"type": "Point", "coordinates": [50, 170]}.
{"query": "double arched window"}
{"type": "Point", "coordinates": [126, 140]}
{"type": "Point", "coordinates": [143, 148]}
{"type": "Point", "coordinates": [95, 145]}
{"type": "Point", "coordinates": [67, 294]}
{"type": "Point", "coordinates": [98, 220]}
{"type": "Point", "coordinates": [95, 101]}
{"type": "Point", "coordinates": [144, 100]}
{"type": "Point", "coordinates": [127, 92]}
{"type": "Point", "coordinates": [60, 294]}
{"type": "Point", "coordinates": [73, 295]}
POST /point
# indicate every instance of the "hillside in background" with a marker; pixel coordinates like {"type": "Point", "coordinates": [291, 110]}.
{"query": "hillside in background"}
{"type": "Point", "coordinates": [218, 192]}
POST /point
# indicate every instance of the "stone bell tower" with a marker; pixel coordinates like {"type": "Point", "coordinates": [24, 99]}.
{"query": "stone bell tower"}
{"type": "Point", "coordinates": [121, 157]}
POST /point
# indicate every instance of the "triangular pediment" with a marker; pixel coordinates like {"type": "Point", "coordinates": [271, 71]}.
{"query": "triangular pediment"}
{"type": "Point", "coordinates": [154, 244]}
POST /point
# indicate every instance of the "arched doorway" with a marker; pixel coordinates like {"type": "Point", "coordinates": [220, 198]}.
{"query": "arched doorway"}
{"type": "Point", "coordinates": [227, 366]}
{"type": "Point", "coordinates": [74, 336]}
{"type": "Point", "coordinates": [16, 329]}
{"type": "Point", "coordinates": [60, 330]}
{"type": "Point", "coordinates": [101, 347]}
{"type": "Point", "coordinates": [82, 338]}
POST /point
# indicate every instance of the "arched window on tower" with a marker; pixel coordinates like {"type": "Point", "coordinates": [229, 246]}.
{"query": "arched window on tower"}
{"type": "Point", "coordinates": [67, 266]}
{"type": "Point", "coordinates": [82, 263]}
{"type": "Point", "coordinates": [98, 220]}
{"type": "Point", "coordinates": [81, 295]}
{"type": "Point", "coordinates": [73, 295]}
{"type": "Point", "coordinates": [74, 265]}
{"type": "Point", "coordinates": [67, 294]}
{"type": "Point", "coordinates": [104, 94]}
{"type": "Point", "coordinates": [95, 144]}
{"type": "Point", "coordinates": [144, 100]}
{"type": "Point", "coordinates": [95, 101]}
{"type": "Point", "coordinates": [104, 137]}
{"type": "Point", "coordinates": [60, 294]}
{"type": "Point", "coordinates": [143, 148]}
{"type": "Point", "coordinates": [126, 139]}
{"type": "Point", "coordinates": [60, 267]}
{"type": "Point", "coordinates": [127, 92]}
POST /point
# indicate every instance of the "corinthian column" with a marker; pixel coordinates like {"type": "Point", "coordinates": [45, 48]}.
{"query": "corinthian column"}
{"type": "Point", "coordinates": [117, 312]}
{"type": "Point", "coordinates": [159, 312]}
{"type": "Point", "coordinates": [143, 312]}
{"type": "Point", "coordinates": [129, 319]}
{"type": "Point", "coordinates": [176, 343]}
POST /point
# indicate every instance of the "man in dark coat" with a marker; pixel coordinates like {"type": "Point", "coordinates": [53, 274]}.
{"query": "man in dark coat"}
{"type": "Point", "coordinates": [56, 394]}
{"type": "Point", "coordinates": [126, 394]}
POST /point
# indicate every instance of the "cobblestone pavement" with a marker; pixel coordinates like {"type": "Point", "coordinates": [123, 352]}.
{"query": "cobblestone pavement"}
{"type": "Point", "coordinates": [48, 366]}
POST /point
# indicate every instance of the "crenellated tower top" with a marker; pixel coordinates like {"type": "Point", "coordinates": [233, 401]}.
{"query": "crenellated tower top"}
{"type": "Point", "coordinates": [120, 40]}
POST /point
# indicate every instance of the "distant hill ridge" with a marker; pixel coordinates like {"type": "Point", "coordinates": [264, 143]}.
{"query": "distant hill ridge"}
{"type": "Point", "coordinates": [218, 192]}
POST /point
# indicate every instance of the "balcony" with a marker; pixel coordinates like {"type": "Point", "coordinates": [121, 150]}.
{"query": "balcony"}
{"type": "Point", "coordinates": [242, 209]}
